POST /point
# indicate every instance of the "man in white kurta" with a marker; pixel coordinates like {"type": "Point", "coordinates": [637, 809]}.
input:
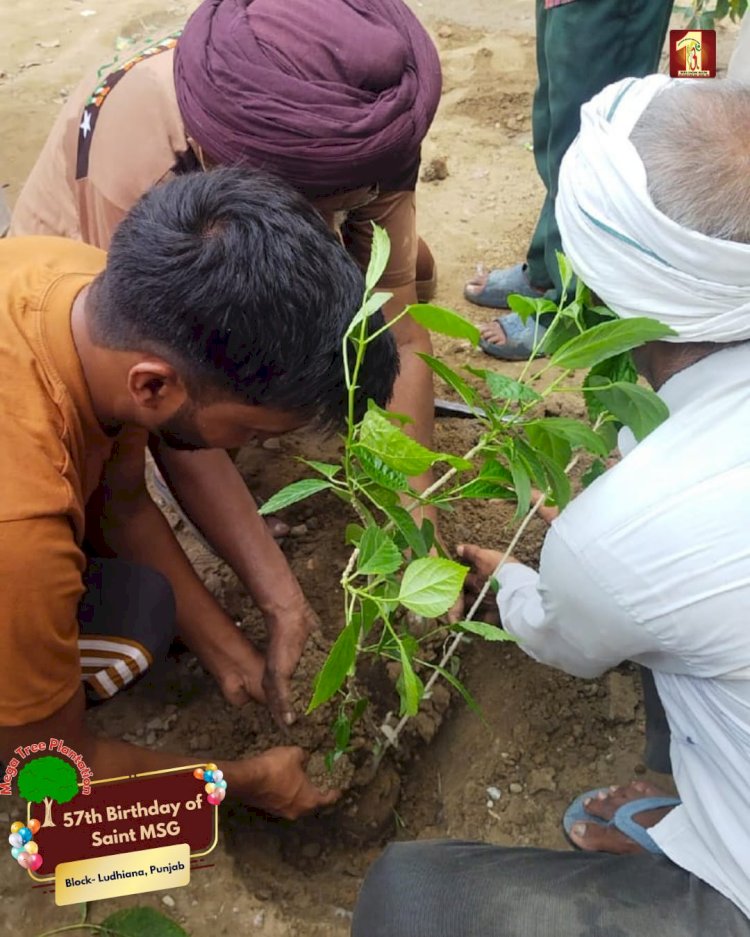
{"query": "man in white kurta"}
{"type": "Point", "coordinates": [650, 564]}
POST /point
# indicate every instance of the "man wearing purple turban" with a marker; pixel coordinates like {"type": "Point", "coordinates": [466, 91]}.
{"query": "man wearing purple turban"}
{"type": "Point", "coordinates": [334, 96]}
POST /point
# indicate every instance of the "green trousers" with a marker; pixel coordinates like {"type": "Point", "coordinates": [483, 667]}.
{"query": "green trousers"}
{"type": "Point", "coordinates": [581, 47]}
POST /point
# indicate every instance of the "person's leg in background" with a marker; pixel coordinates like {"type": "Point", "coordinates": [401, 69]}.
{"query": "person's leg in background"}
{"type": "Point", "coordinates": [581, 47]}
{"type": "Point", "coordinates": [588, 44]}
{"type": "Point", "coordinates": [458, 889]}
{"type": "Point", "coordinates": [126, 618]}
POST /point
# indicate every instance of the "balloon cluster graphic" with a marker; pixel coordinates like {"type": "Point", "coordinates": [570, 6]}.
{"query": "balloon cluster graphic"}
{"type": "Point", "coordinates": [216, 786]}
{"type": "Point", "coordinates": [22, 846]}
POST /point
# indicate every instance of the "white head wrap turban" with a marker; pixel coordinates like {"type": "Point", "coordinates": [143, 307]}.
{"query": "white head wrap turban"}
{"type": "Point", "coordinates": [640, 262]}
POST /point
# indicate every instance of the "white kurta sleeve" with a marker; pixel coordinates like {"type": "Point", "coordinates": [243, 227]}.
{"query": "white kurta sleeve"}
{"type": "Point", "coordinates": [564, 617]}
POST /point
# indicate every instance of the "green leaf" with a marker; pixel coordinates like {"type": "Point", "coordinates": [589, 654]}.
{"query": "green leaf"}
{"type": "Point", "coordinates": [608, 339]}
{"type": "Point", "coordinates": [428, 532]}
{"type": "Point", "coordinates": [635, 406]}
{"type": "Point", "coordinates": [334, 672]}
{"type": "Point", "coordinates": [488, 632]}
{"type": "Point", "coordinates": [380, 251]}
{"type": "Point", "coordinates": [485, 489]}
{"type": "Point", "coordinates": [293, 493]}
{"type": "Point", "coordinates": [358, 711]}
{"type": "Point", "coordinates": [437, 319]}
{"type": "Point", "coordinates": [353, 534]}
{"type": "Point", "coordinates": [566, 271]}
{"type": "Point", "coordinates": [525, 306]}
{"type": "Point", "coordinates": [325, 468]}
{"type": "Point", "coordinates": [342, 731]}
{"type": "Point", "coordinates": [393, 447]}
{"type": "Point", "coordinates": [379, 472]}
{"type": "Point", "coordinates": [142, 922]}
{"type": "Point", "coordinates": [464, 390]}
{"type": "Point", "coordinates": [410, 686]}
{"type": "Point", "coordinates": [521, 486]}
{"type": "Point", "coordinates": [366, 617]}
{"type": "Point", "coordinates": [370, 306]}
{"type": "Point", "coordinates": [457, 685]}
{"type": "Point", "coordinates": [554, 447]}
{"type": "Point", "coordinates": [408, 529]}
{"type": "Point", "coordinates": [502, 387]}
{"type": "Point", "coordinates": [597, 469]}
{"type": "Point", "coordinates": [378, 554]}
{"type": "Point", "coordinates": [579, 435]}
{"type": "Point", "coordinates": [431, 585]}
{"type": "Point", "coordinates": [557, 481]}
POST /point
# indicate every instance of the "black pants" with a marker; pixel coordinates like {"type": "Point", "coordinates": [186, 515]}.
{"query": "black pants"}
{"type": "Point", "coordinates": [458, 889]}
{"type": "Point", "coordinates": [126, 618]}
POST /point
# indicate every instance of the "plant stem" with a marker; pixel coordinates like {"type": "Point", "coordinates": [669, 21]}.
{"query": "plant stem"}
{"type": "Point", "coordinates": [392, 737]}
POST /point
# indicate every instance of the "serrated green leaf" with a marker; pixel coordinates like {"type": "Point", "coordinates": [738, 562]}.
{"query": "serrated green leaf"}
{"type": "Point", "coordinates": [142, 922]}
{"type": "Point", "coordinates": [607, 339]}
{"type": "Point", "coordinates": [521, 486]}
{"type": "Point", "coordinates": [526, 306]}
{"type": "Point", "coordinates": [566, 271]}
{"type": "Point", "coordinates": [379, 472]}
{"type": "Point", "coordinates": [353, 534]}
{"type": "Point", "coordinates": [437, 319]}
{"type": "Point", "coordinates": [464, 390]}
{"type": "Point", "coordinates": [378, 554]}
{"type": "Point", "coordinates": [407, 526]}
{"type": "Point", "coordinates": [431, 585]}
{"type": "Point", "coordinates": [293, 493]}
{"type": "Point", "coordinates": [554, 447]}
{"type": "Point", "coordinates": [340, 661]}
{"type": "Point", "coordinates": [577, 434]}
{"type": "Point", "coordinates": [637, 407]}
{"type": "Point", "coordinates": [370, 306]}
{"type": "Point", "coordinates": [485, 489]}
{"type": "Point", "coordinates": [488, 632]}
{"type": "Point", "coordinates": [329, 470]}
{"type": "Point", "coordinates": [380, 251]}
{"type": "Point", "coordinates": [502, 387]}
{"type": "Point", "coordinates": [492, 470]}
{"type": "Point", "coordinates": [411, 688]}
{"type": "Point", "coordinates": [558, 482]}
{"type": "Point", "coordinates": [393, 447]}
{"type": "Point", "coordinates": [428, 532]}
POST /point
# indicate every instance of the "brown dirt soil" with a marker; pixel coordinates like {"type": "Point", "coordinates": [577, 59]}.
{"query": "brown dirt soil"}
{"type": "Point", "coordinates": [545, 737]}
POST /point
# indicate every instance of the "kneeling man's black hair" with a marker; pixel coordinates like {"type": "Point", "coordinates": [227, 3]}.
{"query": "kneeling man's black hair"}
{"type": "Point", "coordinates": [235, 278]}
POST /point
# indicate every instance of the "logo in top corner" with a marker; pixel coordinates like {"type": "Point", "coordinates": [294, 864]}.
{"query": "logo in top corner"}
{"type": "Point", "coordinates": [692, 53]}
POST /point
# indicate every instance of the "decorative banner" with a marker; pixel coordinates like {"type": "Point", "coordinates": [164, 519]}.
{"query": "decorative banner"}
{"type": "Point", "coordinates": [119, 836]}
{"type": "Point", "coordinates": [131, 874]}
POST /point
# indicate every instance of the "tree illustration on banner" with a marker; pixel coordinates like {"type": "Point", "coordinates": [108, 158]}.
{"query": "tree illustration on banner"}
{"type": "Point", "coordinates": [49, 779]}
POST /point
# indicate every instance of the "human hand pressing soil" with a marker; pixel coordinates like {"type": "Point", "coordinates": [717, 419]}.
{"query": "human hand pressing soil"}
{"type": "Point", "coordinates": [288, 629]}
{"type": "Point", "coordinates": [276, 783]}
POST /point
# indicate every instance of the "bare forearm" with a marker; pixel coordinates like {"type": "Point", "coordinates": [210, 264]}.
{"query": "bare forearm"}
{"type": "Point", "coordinates": [213, 493]}
{"type": "Point", "coordinates": [413, 392]}
{"type": "Point", "coordinates": [137, 531]}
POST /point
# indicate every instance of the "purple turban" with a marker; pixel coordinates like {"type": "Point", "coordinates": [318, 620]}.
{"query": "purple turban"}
{"type": "Point", "coordinates": [329, 94]}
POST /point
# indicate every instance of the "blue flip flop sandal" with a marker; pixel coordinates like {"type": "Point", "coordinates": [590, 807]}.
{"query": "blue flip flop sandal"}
{"type": "Point", "coordinates": [521, 338]}
{"type": "Point", "coordinates": [622, 820]}
{"type": "Point", "coordinates": [500, 285]}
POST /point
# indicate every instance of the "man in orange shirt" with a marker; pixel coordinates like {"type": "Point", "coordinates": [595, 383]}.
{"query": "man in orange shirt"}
{"type": "Point", "coordinates": [217, 317]}
{"type": "Point", "coordinates": [334, 97]}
